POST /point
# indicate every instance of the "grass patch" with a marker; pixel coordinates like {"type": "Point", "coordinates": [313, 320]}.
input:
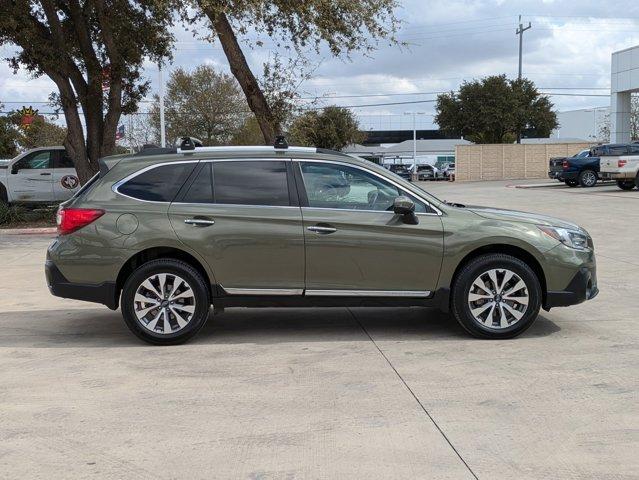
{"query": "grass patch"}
{"type": "Point", "coordinates": [15, 216]}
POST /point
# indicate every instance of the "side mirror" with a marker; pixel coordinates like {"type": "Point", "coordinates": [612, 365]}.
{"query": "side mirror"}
{"type": "Point", "coordinates": [15, 169]}
{"type": "Point", "coordinates": [405, 207]}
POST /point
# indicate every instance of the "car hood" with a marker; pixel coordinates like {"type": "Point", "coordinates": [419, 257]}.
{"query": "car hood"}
{"type": "Point", "coordinates": [523, 217]}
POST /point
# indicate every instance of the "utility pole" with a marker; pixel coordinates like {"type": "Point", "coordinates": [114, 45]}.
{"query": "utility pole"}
{"type": "Point", "coordinates": [161, 95]}
{"type": "Point", "coordinates": [520, 31]}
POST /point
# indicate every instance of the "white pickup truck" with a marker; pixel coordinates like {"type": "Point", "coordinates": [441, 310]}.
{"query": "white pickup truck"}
{"type": "Point", "coordinates": [620, 162]}
{"type": "Point", "coordinates": [41, 175]}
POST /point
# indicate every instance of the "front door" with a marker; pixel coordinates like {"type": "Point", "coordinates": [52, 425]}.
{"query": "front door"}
{"type": "Point", "coordinates": [31, 177]}
{"type": "Point", "coordinates": [356, 245]}
{"type": "Point", "coordinates": [244, 218]}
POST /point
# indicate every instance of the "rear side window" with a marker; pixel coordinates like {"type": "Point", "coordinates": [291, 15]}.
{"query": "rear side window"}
{"type": "Point", "coordinates": [159, 184]}
{"type": "Point", "coordinates": [251, 183]}
{"type": "Point", "coordinates": [63, 160]}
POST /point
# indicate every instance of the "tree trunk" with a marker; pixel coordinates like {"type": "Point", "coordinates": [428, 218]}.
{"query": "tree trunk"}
{"type": "Point", "coordinates": [242, 72]}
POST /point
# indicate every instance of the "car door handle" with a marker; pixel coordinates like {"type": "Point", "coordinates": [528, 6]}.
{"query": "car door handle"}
{"type": "Point", "coordinates": [199, 222]}
{"type": "Point", "coordinates": [321, 230]}
{"type": "Point", "coordinates": [45, 173]}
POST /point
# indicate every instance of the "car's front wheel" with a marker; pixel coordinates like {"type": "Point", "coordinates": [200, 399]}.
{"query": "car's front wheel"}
{"type": "Point", "coordinates": [496, 296]}
{"type": "Point", "coordinates": [626, 184]}
{"type": "Point", "coordinates": [165, 302]}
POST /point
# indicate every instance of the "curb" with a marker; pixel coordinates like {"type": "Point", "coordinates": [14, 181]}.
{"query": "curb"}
{"type": "Point", "coordinates": [29, 231]}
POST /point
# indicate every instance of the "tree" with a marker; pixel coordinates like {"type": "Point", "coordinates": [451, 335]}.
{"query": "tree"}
{"type": "Point", "coordinates": [9, 135]}
{"type": "Point", "coordinates": [42, 133]}
{"type": "Point", "coordinates": [343, 26]}
{"type": "Point", "coordinates": [205, 104]}
{"type": "Point", "coordinates": [93, 50]}
{"type": "Point", "coordinates": [495, 110]}
{"type": "Point", "coordinates": [332, 127]}
{"type": "Point", "coordinates": [249, 133]}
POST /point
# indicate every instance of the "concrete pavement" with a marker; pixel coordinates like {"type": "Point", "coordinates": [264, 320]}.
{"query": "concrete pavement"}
{"type": "Point", "coordinates": [330, 393]}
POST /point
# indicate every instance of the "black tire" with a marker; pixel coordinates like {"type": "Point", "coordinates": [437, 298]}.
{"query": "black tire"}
{"type": "Point", "coordinates": [200, 294]}
{"type": "Point", "coordinates": [571, 183]}
{"type": "Point", "coordinates": [626, 184]}
{"type": "Point", "coordinates": [470, 272]}
{"type": "Point", "coordinates": [588, 178]}
{"type": "Point", "coordinates": [637, 180]}
{"type": "Point", "coordinates": [4, 198]}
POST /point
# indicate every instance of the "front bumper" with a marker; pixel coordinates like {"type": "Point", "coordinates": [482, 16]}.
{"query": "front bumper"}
{"type": "Point", "coordinates": [582, 287]}
{"type": "Point", "coordinates": [105, 293]}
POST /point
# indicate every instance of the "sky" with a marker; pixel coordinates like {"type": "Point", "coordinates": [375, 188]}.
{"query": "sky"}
{"type": "Point", "coordinates": [566, 51]}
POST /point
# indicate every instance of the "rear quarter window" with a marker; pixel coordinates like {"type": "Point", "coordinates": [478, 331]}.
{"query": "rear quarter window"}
{"type": "Point", "coordinates": [158, 184]}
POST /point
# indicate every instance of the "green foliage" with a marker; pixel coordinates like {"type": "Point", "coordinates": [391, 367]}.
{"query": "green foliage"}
{"type": "Point", "coordinates": [42, 133]}
{"type": "Point", "coordinates": [204, 104]}
{"type": "Point", "coordinates": [9, 136]}
{"type": "Point", "coordinates": [494, 110]}
{"type": "Point", "coordinates": [19, 214]}
{"type": "Point", "coordinates": [249, 133]}
{"type": "Point", "coordinates": [332, 127]}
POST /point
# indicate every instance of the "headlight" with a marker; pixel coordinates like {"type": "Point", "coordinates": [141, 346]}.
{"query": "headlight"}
{"type": "Point", "coordinates": [571, 238]}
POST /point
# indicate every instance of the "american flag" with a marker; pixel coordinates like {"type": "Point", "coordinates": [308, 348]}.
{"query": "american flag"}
{"type": "Point", "coordinates": [119, 134]}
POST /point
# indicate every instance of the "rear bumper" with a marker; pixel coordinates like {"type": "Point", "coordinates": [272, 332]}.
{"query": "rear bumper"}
{"type": "Point", "coordinates": [582, 287]}
{"type": "Point", "coordinates": [104, 293]}
{"type": "Point", "coordinates": [562, 176]}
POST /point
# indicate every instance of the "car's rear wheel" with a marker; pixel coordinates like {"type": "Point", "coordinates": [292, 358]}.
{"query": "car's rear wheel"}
{"type": "Point", "coordinates": [626, 184]}
{"type": "Point", "coordinates": [496, 296]}
{"type": "Point", "coordinates": [571, 183]}
{"type": "Point", "coordinates": [588, 178]}
{"type": "Point", "coordinates": [165, 302]}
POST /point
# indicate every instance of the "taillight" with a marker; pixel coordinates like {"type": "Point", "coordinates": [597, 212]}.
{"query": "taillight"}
{"type": "Point", "coordinates": [72, 219]}
{"type": "Point", "coordinates": [565, 165]}
{"type": "Point", "coordinates": [621, 163]}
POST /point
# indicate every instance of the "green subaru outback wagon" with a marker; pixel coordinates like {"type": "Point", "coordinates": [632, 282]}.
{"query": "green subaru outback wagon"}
{"type": "Point", "coordinates": [166, 233]}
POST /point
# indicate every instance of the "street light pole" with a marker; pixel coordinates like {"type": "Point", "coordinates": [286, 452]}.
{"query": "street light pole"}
{"type": "Point", "coordinates": [414, 114]}
{"type": "Point", "coordinates": [161, 95]}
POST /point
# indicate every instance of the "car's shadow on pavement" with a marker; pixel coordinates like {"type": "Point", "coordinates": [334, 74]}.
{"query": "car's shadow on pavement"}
{"type": "Point", "coordinates": [104, 328]}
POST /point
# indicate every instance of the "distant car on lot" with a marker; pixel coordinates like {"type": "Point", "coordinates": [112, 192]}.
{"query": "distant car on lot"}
{"type": "Point", "coordinates": [426, 172]}
{"type": "Point", "coordinates": [401, 170]}
{"type": "Point", "coordinates": [41, 175]}
{"type": "Point", "coordinates": [621, 163]}
{"type": "Point", "coordinates": [448, 170]}
{"type": "Point", "coordinates": [165, 235]}
{"type": "Point", "coordinates": [580, 169]}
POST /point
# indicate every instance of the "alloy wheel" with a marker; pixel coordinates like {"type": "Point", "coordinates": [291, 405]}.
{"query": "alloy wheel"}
{"type": "Point", "coordinates": [498, 298]}
{"type": "Point", "coordinates": [589, 179]}
{"type": "Point", "coordinates": [164, 303]}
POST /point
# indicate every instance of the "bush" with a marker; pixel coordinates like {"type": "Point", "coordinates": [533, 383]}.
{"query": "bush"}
{"type": "Point", "coordinates": [16, 214]}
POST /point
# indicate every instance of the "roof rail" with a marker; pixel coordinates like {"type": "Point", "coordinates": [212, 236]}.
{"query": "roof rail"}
{"type": "Point", "coordinates": [252, 148]}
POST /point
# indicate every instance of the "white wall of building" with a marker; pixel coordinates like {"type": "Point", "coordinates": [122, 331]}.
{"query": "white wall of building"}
{"type": "Point", "coordinates": [624, 80]}
{"type": "Point", "coordinates": [583, 123]}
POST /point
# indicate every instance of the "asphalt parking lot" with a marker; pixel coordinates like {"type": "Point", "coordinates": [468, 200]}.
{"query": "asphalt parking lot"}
{"type": "Point", "coordinates": [331, 393]}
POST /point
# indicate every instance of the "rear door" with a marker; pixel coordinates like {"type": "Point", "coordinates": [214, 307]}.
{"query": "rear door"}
{"type": "Point", "coordinates": [65, 179]}
{"type": "Point", "coordinates": [356, 245]}
{"type": "Point", "coordinates": [31, 177]}
{"type": "Point", "coordinates": [243, 216]}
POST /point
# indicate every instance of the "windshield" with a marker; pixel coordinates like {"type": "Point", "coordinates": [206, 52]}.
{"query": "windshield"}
{"type": "Point", "coordinates": [582, 154]}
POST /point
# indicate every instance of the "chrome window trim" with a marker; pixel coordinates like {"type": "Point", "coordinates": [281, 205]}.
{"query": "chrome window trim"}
{"type": "Point", "coordinates": [368, 293]}
{"type": "Point", "coordinates": [115, 187]}
{"type": "Point", "coordinates": [437, 213]}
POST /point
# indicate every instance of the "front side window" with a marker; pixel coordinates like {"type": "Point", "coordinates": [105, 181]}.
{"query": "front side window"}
{"type": "Point", "coordinates": [159, 184]}
{"type": "Point", "coordinates": [35, 161]}
{"type": "Point", "coordinates": [251, 182]}
{"type": "Point", "coordinates": [340, 186]}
